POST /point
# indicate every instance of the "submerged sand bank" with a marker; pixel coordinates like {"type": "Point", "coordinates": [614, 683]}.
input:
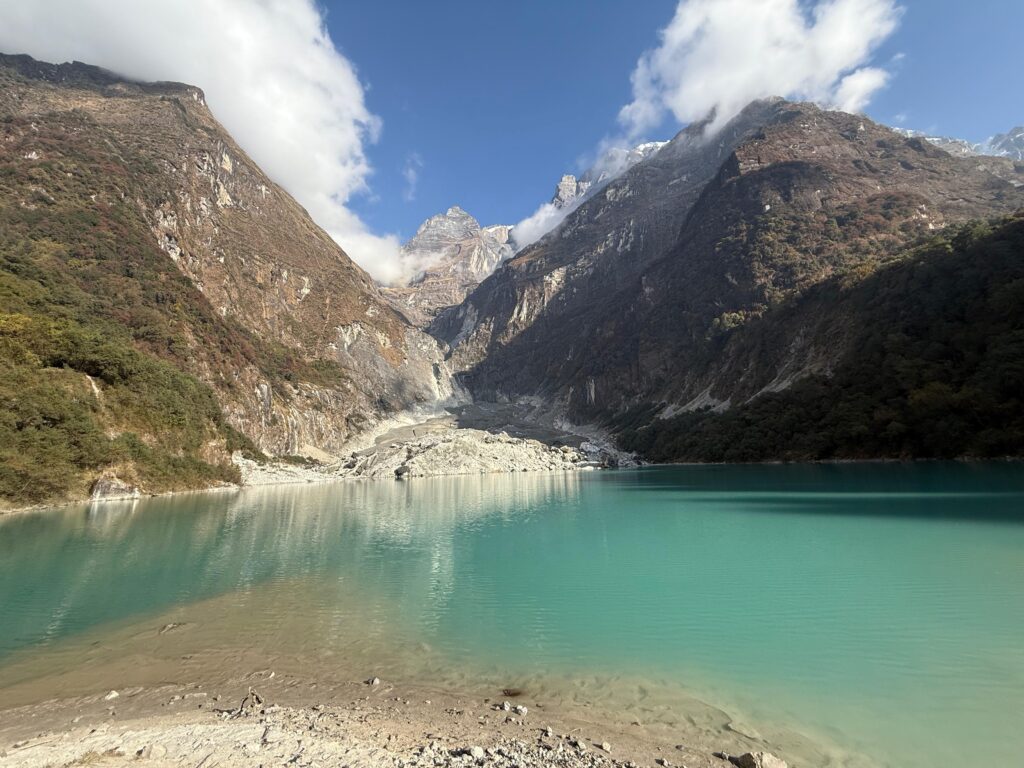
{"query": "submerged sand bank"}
{"type": "Point", "coordinates": [180, 677]}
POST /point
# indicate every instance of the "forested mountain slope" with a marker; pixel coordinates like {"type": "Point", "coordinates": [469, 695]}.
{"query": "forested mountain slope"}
{"type": "Point", "coordinates": [931, 365]}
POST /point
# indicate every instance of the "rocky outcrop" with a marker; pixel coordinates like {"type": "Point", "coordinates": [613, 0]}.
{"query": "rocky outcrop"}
{"type": "Point", "coordinates": [110, 487]}
{"type": "Point", "coordinates": [571, 191]}
{"type": "Point", "coordinates": [759, 760]}
{"type": "Point", "coordinates": [453, 254]}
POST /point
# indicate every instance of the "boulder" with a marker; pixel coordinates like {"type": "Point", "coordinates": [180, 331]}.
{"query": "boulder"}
{"type": "Point", "coordinates": [758, 760]}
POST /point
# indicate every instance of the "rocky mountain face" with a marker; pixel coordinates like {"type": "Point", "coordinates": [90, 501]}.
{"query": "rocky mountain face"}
{"type": "Point", "coordinates": [645, 292]}
{"type": "Point", "coordinates": [1009, 144]}
{"type": "Point", "coordinates": [456, 254]}
{"type": "Point", "coordinates": [923, 361]}
{"type": "Point", "coordinates": [165, 304]}
{"type": "Point", "coordinates": [131, 199]}
{"type": "Point", "coordinates": [603, 245]}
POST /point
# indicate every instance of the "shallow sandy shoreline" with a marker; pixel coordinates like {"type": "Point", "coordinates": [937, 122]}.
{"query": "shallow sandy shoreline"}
{"type": "Point", "coordinates": [173, 672]}
{"type": "Point", "coordinates": [361, 724]}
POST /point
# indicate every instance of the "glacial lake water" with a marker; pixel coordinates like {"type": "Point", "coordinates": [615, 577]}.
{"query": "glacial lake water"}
{"type": "Point", "coordinates": [880, 605]}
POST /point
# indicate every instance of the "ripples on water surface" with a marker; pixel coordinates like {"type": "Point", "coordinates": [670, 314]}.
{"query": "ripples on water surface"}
{"type": "Point", "coordinates": [881, 604]}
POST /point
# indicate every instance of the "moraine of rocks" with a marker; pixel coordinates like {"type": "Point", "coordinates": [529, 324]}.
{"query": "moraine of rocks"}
{"type": "Point", "coordinates": [445, 452]}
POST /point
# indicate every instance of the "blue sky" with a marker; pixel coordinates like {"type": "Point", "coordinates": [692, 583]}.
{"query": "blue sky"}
{"type": "Point", "coordinates": [496, 99]}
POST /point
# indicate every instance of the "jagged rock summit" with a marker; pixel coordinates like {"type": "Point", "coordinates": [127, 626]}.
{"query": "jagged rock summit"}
{"type": "Point", "coordinates": [571, 190]}
{"type": "Point", "coordinates": [1010, 144]}
{"type": "Point", "coordinates": [453, 254]}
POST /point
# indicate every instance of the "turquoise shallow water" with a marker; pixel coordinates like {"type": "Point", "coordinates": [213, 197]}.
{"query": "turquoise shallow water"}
{"type": "Point", "coordinates": [880, 604]}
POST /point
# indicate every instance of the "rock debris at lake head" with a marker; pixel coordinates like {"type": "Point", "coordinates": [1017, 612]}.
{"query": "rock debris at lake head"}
{"type": "Point", "coordinates": [443, 452]}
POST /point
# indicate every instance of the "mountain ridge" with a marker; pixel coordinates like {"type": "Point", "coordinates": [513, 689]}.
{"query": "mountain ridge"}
{"type": "Point", "coordinates": [452, 254]}
{"type": "Point", "coordinates": [215, 271]}
{"type": "Point", "coordinates": [597, 317]}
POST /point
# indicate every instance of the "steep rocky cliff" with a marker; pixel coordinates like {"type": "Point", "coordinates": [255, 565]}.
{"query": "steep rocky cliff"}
{"type": "Point", "coordinates": [636, 296]}
{"type": "Point", "coordinates": [132, 197]}
{"type": "Point", "coordinates": [453, 254]}
{"type": "Point", "coordinates": [922, 359]}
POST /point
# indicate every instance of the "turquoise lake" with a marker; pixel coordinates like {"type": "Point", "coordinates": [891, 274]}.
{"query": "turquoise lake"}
{"type": "Point", "coordinates": [879, 605]}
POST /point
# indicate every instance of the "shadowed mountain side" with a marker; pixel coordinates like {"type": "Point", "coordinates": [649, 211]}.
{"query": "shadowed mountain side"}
{"type": "Point", "coordinates": [922, 358]}
{"type": "Point", "coordinates": [808, 196]}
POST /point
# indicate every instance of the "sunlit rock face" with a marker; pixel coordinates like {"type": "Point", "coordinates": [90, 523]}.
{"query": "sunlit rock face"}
{"type": "Point", "coordinates": [571, 191]}
{"type": "Point", "coordinates": [311, 353]}
{"type": "Point", "coordinates": [451, 254]}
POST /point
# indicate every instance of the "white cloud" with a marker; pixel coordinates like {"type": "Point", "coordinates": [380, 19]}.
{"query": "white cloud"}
{"type": "Point", "coordinates": [411, 174]}
{"type": "Point", "coordinates": [856, 89]}
{"type": "Point", "coordinates": [716, 56]}
{"type": "Point", "coordinates": [540, 222]}
{"type": "Point", "coordinates": [271, 75]}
